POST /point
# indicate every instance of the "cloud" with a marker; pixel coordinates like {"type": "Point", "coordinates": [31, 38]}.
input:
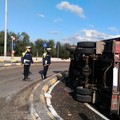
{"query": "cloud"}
{"type": "Point", "coordinates": [41, 15]}
{"type": "Point", "coordinates": [57, 20]}
{"type": "Point", "coordinates": [90, 25]}
{"type": "Point", "coordinates": [54, 32]}
{"type": "Point", "coordinates": [113, 29]}
{"type": "Point", "coordinates": [72, 8]}
{"type": "Point", "coordinates": [88, 35]}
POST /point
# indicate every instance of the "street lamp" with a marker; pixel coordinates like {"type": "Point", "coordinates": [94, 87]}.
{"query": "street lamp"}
{"type": "Point", "coordinates": [5, 36]}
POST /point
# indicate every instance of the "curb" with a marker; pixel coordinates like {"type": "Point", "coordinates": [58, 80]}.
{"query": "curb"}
{"type": "Point", "coordinates": [13, 64]}
{"type": "Point", "coordinates": [10, 64]}
{"type": "Point", "coordinates": [2, 64]}
{"type": "Point", "coordinates": [38, 108]}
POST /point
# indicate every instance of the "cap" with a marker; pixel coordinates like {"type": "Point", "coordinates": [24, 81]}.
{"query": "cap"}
{"type": "Point", "coordinates": [48, 49]}
{"type": "Point", "coordinates": [28, 47]}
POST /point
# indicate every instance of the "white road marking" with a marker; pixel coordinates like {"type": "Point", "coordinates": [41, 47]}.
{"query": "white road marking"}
{"type": "Point", "coordinates": [48, 101]}
{"type": "Point", "coordinates": [98, 113]}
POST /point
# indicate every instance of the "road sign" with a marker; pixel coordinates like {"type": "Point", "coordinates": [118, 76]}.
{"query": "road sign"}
{"type": "Point", "coordinates": [44, 45]}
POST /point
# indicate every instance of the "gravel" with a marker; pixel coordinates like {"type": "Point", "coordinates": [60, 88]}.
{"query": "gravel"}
{"type": "Point", "coordinates": [67, 107]}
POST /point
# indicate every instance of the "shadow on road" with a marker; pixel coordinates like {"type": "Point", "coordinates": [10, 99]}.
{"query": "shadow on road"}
{"type": "Point", "coordinates": [83, 116]}
{"type": "Point", "coordinates": [57, 71]}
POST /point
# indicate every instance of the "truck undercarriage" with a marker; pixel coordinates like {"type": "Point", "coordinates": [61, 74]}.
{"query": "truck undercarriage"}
{"type": "Point", "coordinates": [94, 72]}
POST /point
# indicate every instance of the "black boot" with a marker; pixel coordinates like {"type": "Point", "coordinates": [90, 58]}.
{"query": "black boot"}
{"type": "Point", "coordinates": [24, 78]}
{"type": "Point", "coordinates": [42, 76]}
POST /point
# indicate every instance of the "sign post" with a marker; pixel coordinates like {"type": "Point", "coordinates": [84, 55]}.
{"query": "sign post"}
{"type": "Point", "coordinates": [12, 48]}
{"type": "Point", "coordinates": [44, 46]}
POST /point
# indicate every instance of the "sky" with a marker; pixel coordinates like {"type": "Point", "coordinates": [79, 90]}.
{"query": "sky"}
{"type": "Point", "coordinates": [67, 21]}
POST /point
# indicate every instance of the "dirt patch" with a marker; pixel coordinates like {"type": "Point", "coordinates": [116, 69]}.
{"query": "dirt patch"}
{"type": "Point", "coordinates": [13, 113]}
{"type": "Point", "coordinates": [17, 107]}
{"type": "Point", "coordinates": [67, 107]}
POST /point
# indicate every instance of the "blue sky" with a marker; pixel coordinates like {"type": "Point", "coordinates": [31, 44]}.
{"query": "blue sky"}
{"type": "Point", "coordinates": [63, 20]}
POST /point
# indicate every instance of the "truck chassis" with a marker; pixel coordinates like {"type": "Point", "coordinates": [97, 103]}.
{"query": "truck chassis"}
{"type": "Point", "coordinates": [94, 73]}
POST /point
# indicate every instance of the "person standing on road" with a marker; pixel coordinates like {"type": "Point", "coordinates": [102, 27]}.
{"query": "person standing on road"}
{"type": "Point", "coordinates": [46, 62]}
{"type": "Point", "coordinates": [26, 59]}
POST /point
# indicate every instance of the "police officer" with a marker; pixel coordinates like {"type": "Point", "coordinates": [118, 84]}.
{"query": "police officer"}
{"type": "Point", "coordinates": [26, 59]}
{"type": "Point", "coordinates": [46, 62]}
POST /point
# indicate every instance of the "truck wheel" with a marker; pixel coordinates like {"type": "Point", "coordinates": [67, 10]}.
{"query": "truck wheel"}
{"type": "Point", "coordinates": [83, 91]}
{"type": "Point", "coordinates": [75, 83]}
{"type": "Point", "coordinates": [86, 44]}
{"type": "Point", "coordinates": [71, 49]}
{"type": "Point", "coordinates": [83, 98]}
{"type": "Point", "coordinates": [86, 51]}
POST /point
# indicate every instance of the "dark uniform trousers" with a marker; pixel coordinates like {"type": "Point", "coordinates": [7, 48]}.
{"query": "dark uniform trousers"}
{"type": "Point", "coordinates": [26, 70]}
{"type": "Point", "coordinates": [46, 62]}
{"type": "Point", "coordinates": [45, 69]}
{"type": "Point", "coordinates": [26, 59]}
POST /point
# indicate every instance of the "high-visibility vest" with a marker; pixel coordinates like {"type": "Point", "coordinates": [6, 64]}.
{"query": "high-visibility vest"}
{"type": "Point", "coordinates": [44, 54]}
{"type": "Point", "coordinates": [23, 54]}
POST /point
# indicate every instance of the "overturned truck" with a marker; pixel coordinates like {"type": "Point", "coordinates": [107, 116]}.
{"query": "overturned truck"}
{"type": "Point", "coordinates": [94, 72]}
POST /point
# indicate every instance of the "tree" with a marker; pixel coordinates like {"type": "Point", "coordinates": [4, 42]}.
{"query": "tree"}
{"type": "Point", "coordinates": [23, 40]}
{"type": "Point", "coordinates": [1, 42]}
{"type": "Point", "coordinates": [38, 46]}
{"type": "Point", "coordinates": [65, 53]}
{"type": "Point", "coordinates": [51, 44]}
{"type": "Point", "coordinates": [58, 48]}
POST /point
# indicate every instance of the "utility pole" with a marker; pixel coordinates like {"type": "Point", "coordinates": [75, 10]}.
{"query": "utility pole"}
{"type": "Point", "coordinates": [58, 51]}
{"type": "Point", "coordinates": [5, 33]}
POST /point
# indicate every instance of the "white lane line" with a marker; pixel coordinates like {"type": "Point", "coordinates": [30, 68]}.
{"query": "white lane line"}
{"type": "Point", "coordinates": [48, 101]}
{"type": "Point", "coordinates": [98, 113]}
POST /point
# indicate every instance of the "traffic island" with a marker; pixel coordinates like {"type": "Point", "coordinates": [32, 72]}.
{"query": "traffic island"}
{"type": "Point", "coordinates": [38, 108]}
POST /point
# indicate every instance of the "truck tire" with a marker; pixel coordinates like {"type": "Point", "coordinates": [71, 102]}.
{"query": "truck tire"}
{"type": "Point", "coordinates": [86, 51]}
{"type": "Point", "coordinates": [86, 44]}
{"type": "Point", "coordinates": [76, 83]}
{"type": "Point", "coordinates": [83, 91]}
{"type": "Point", "coordinates": [83, 98]}
{"type": "Point", "coordinates": [71, 49]}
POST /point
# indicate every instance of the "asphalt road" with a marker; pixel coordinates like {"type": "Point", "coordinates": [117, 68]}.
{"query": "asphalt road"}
{"type": "Point", "coordinates": [11, 83]}
{"type": "Point", "coordinates": [11, 78]}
